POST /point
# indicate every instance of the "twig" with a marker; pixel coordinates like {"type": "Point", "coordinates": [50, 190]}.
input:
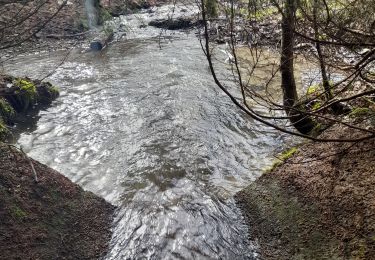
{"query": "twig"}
{"type": "Point", "coordinates": [29, 159]}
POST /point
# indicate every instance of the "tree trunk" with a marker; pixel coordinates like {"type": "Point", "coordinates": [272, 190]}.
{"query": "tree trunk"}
{"type": "Point", "coordinates": [337, 108]}
{"type": "Point", "coordinates": [325, 82]}
{"type": "Point", "coordinates": [299, 120]}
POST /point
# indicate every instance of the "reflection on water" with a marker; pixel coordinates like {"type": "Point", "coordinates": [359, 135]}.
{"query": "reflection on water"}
{"type": "Point", "coordinates": [146, 128]}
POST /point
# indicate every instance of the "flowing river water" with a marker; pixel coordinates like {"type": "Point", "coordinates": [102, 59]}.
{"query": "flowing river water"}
{"type": "Point", "coordinates": [143, 125]}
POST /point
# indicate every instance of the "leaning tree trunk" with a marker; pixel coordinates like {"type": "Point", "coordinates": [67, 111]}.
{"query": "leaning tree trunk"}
{"type": "Point", "coordinates": [299, 120]}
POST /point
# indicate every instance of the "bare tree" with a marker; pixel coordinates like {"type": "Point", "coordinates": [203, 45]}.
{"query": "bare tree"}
{"type": "Point", "coordinates": [314, 30]}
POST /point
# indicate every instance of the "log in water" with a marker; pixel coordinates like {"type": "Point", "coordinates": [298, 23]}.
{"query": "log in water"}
{"type": "Point", "coordinates": [101, 42]}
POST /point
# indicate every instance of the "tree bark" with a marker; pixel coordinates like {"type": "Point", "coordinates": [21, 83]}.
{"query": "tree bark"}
{"type": "Point", "coordinates": [299, 120]}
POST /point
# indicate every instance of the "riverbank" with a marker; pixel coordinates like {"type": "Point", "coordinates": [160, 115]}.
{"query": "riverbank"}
{"type": "Point", "coordinates": [46, 216]}
{"type": "Point", "coordinates": [51, 26]}
{"type": "Point", "coordinates": [43, 214]}
{"type": "Point", "coordinates": [319, 204]}
{"type": "Point", "coordinates": [19, 97]}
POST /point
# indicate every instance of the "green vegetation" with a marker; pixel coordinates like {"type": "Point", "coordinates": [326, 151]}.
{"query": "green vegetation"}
{"type": "Point", "coordinates": [318, 128]}
{"type": "Point", "coordinates": [313, 89]}
{"type": "Point", "coordinates": [18, 213]}
{"type": "Point", "coordinates": [4, 132]}
{"type": "Point", "coordinates": [211, 8]}
{"type": "Point", "coordinates": [47, 93]}
{"type": "Point", "coordinates": [83, 24]}
{"type": "Point", "coordinates": [7, 112]}
{"type": "Point", "coordinates": [276, 214]}
{"type": "Point", "coordinates": [316, 105]}
{"type": "Point", "coordinates": [107, 29]}
{"type": "Point", "coordinates": [54, 91]}
{"type": "Point", "coordinates": [317, 88]}
{"type": "Point", "coordinates": [288, 153]}
{"type": "Point", "coordinates": [361, 246]}
{"type": "Point", "coordinates": [27, 94]}
{"type": "Point", "coordinates": [262, 13]}
{"type": "Point", "coordinates": [104, 16]}
{"type": "Point", "coordinates": [25, 85]}
{"type": "Point", "coordinates": [281, 158]}
{"type": "Point", "coordinates": [361, 111]}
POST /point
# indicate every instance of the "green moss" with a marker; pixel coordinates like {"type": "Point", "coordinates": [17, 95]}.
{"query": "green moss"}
{"type": "Point", "coordinates": [259, 13]}
{"type": "Point", "coordinates": [104, 16]}
{"type": "Point", "coordinates": [265, 13]}
{"type": "Point", "coordinates": [274, 165]}
{"type": "Point", "coordinates": [317, 88]}
{"type": "Point", "coordinates": [316, 105]}
{"type": "Point", "coordinates": [278, 215]}
{"type": "Point", "coordinates": [316, 130]}
{"type": "Point", "coordinates": [281, 158]}
{"type": "Point", "coordinates": [54, 91]}
{"type": "Point", "coordinates": [83, 24]}
{"type": "Point", "coordinates": [313, 89]}
{"type": "Point", "coordinates": [7, 112]}
{"type": "Point", "coordinates": [108, 30]}
{"type": "Point", "coordinates": [4, 131]}
{"type": "Point", "coordinates": [360, 112]}
{"type": "Point", "coordinates": [211, 8]}
{"type": "Point", "coordinates": [288, 153]}
{"type": "Point", "coordinates": [25, 85]}
{"type": "Point", "coordinates": [47, 93]}
{"type": "Point", "coordinates": [361, 249]}
{"type": "Point", "coordinates": [17, 212]}
{"type": "Point", "coordinates": [27, 94]}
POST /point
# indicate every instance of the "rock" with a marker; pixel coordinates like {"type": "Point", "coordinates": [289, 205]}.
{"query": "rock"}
{"type": "Point", "coordinates": [19, 96]}
{"type": "Point", "coordinates": [96, 45]}
{"type": "Point", "coordinates": [101, 42]}
{"type": "Point", "coordinates": [220, 41]}
{"type": "Point", "coordinates": [174, 24]}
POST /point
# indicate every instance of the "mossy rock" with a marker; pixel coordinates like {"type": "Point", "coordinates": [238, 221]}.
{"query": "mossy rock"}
{"type": "Point", "coordinates": [7, 112]}
{"type": "Point", "coordinates": [30, 93]}
{"type": "Point", "coordinates": [47, 93]}
{"type": "Point", "coordinates": [26, 95]}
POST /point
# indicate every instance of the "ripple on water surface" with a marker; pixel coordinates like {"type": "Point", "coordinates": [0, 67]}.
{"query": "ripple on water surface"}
{"type": "Point", "coordinates": [145, 127]}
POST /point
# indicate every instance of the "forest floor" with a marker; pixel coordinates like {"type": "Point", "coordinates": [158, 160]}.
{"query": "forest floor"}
{"type": "Point", "coordinates": [319, 204]}
{"type": "Point", "coordinates": [52, 218]}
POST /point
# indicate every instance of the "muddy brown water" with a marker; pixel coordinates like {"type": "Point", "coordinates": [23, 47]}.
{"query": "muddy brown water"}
{"type": "Point", "coordinates": [143, 125]}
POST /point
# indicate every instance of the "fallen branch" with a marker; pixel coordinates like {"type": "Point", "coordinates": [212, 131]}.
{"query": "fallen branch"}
{"type": "Point", "coordinates": [61, 36]}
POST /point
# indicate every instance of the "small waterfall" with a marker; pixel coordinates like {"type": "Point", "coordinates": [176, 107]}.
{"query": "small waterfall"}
{"type": "Point", "coordinates": [91, 7]}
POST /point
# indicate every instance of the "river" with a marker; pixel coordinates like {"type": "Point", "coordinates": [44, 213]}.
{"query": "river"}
{"type": "Point", "coordinates": [143, 125]}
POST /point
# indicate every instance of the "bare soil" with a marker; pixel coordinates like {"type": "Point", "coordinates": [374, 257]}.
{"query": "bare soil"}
{"type": "Point", "coordinates": [320, 204]}
{"type": "Point", "coordinates": [52, 218]}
